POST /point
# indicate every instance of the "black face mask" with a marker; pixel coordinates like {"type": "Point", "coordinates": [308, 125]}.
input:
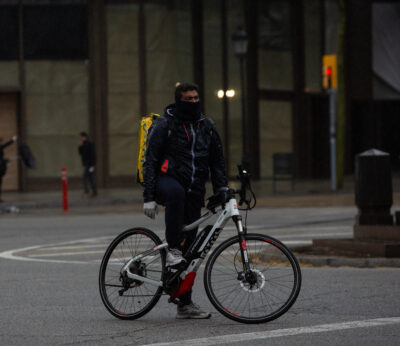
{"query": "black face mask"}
{"type": "Point", "coordinates": [189, 111]}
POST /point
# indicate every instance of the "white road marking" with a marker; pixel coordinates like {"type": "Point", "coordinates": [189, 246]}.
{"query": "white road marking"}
{"type": "Point", "coordinates": [13, 254]}
{"type": "Point", "coordinates": [292, 227]}
{"type": "Point", "coordinates": [314, 235]}
{"type": "Point", "coordinates": [322, 328]}
{"type": "Point", "coordinates": [55, 254]}
{"type": "Point", "coordinates": [297, 242]}
{"type": "Point", "coordinates": [40, 257]}
{"type": "Point", "coordinates": [76, 246]}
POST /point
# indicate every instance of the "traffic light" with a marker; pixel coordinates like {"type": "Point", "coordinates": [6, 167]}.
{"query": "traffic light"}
{"type": "Point", "coordinates": [329, 72]}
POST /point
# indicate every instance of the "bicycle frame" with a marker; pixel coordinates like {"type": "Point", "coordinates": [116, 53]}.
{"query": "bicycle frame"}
{"type": "Point", "coordinates": [227, 211]}
{"type": "Point", "coordinates": [249, 285]}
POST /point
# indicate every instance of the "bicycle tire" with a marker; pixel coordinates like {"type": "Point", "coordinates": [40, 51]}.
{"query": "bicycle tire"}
{"type": "Point", "coordinates": [276, 272]}
{"type": "Point", "coordinates": [137, 298]}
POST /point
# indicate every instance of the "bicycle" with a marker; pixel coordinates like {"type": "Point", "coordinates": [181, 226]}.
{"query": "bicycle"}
{"type": "Point", "coordinates": [249, 278]}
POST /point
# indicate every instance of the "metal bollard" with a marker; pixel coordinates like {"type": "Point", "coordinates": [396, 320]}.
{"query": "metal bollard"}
{"type": "Point", "coordinates": [64, 182]}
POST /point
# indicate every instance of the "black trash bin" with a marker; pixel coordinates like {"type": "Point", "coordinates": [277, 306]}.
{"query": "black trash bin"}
{"type": "Point", "coordinates": [373, 190]}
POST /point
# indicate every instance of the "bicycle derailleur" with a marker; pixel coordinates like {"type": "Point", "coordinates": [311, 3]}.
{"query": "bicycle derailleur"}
{"type": "Point", "coordinates": [137, 268]}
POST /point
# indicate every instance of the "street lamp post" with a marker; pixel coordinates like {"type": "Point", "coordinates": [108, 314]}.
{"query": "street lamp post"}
{"type": "Point", "coordinates": [240, 46]}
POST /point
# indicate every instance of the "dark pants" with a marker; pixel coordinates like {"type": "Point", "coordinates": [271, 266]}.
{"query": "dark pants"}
{"type": "Point", "coordinates": [181, 209]}
{"type": "Point", "coordinates": [89, 179]}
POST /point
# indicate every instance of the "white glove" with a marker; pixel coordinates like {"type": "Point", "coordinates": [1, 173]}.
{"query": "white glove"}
{"type": "Point", "coordinates": [150, 209]}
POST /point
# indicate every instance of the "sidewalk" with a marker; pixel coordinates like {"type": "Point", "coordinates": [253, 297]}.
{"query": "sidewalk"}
{"type": "Point", "coordinates": [54, 199]}
{"type": "Point", "coordinates": [305, 193]}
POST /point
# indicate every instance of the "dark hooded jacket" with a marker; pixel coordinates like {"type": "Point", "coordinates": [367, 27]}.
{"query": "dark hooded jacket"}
{"type": "Point", "coordinates": [3, 160]}
{"type": "Point", "coordinates": [88, 153]}
{"type": "Point", "coordinates": [185, 150]}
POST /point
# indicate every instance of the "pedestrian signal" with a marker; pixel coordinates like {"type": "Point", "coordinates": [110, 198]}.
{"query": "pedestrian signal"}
{"type": "Point", "coordinates": [329, 72]}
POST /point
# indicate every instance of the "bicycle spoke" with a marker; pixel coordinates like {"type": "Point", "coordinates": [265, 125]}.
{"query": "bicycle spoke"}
{"type": "Point", "coordinates": [265, 293]}
{"type": "Point", "coordinates": [125, 297]}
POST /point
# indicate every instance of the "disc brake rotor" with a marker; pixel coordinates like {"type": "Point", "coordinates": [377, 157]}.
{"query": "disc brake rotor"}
{"type": "Point", "coordinates": [257, 286]}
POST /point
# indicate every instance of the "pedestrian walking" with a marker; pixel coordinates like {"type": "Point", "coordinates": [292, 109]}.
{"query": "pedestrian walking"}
{"type": "Point", "coordinates": [4, 161]}
{"type": "Point", "coordinates": [88, 155]}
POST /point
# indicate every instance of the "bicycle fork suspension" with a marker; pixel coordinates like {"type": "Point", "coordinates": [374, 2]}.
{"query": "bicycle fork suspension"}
{"type": "Point", "coordinates": [237, 219]}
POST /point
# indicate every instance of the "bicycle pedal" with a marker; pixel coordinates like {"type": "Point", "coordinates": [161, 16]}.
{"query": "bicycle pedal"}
{"type": "Point", "coordinates": [175, 301]}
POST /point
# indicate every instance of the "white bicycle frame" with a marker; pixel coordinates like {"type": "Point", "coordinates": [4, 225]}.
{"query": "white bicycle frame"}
{"type": "Point", "coordinates": [230, 210]}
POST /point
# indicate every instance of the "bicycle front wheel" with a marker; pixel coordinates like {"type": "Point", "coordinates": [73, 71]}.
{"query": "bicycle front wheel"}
{"type": "Point", "coordinates": [124, 297]}
{"type": "Point", "coordinates": [262, 295]}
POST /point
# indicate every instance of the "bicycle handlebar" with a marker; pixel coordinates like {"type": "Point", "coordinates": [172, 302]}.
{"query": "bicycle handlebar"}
{"type": "Point", "coordinates": [244, 178]}
{"type": "Point", "coordinates": [222, 197]}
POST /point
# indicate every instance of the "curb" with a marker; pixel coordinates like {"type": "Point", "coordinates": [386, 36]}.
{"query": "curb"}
{"type": "Point", "coordinates": [307, 258]}
{"type": "Point", "coordinates": [339, 261]}
{"type": "Point", "coordinates": [9, 206]}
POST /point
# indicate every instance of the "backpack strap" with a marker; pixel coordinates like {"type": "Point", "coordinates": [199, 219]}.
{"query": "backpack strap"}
{"type": "Point", "coordinates": [171, 125]}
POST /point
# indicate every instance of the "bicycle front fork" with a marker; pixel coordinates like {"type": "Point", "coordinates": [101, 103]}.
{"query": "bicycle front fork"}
{"type": "Point", "coordinates": [237, 219]}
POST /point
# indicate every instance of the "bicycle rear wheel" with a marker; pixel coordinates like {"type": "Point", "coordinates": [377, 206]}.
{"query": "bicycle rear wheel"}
{"type": "Point", "coordinates": [266, 293]}
{"type": "Point", "coordinates": [124, 297]}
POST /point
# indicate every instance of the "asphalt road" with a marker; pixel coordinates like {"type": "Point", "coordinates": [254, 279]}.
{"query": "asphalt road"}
{"type": "Point", "coordinates": [49, 266]}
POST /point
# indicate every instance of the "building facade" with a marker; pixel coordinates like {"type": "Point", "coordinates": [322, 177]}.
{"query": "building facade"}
{"type": "Point", "coordinates": [99, 65]}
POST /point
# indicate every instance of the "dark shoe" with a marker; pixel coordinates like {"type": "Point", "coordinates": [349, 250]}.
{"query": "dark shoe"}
{"type": "Point", "coordinates": [191, 311]}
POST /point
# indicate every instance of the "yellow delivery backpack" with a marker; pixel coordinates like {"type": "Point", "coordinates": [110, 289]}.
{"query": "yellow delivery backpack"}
{"type": "Point", "coordinates": [145, 124]}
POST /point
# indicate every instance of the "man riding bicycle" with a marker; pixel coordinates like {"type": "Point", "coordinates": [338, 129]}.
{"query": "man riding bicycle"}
{"type": "Point", "coordinates": [183, 149]}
